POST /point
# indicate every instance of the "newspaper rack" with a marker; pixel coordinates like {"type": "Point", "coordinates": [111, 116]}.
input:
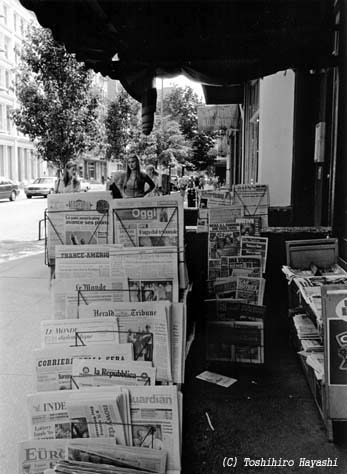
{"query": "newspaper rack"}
{"type": "Point", "coordinates": [145, 348]}
{"type": "Point", "coordinates": [51, 261]}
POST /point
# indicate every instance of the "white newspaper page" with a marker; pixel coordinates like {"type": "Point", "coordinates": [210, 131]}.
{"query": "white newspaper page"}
{"type": "Point", "coordinates": [69, 296]}
{"type": "Point", "coordinates": [152, 273]}
{"type": "Point", "coordinates": [49, 417]}
{"type": "Point", "coordinates": [255, 246]}
{"type": "Point", "coordinates": [241, 265]}
{"type": "Point", "coordinates": [150, 337]}
{"type": "Point", "coordinates": [75, 332]}
{"type": "Point", "coordinates": [85, 261]}
{"type": "Point", "coordinates": [106, 309]}
{"type": "Point", "coordinates": [97, 415]}
{"type": "Point", "coordinates": [250, 289]}
{"type": "Point", "coordinates": [151, 222]}
{"type": "Point", "coordinates": [155, 420]}
{"type": "Point", "coordinates": [131, 457]}
{"type": "Point", "coordinates": [53, 366]}
{"type": "Point", "coordinates": [255, 200]}
{"type": "Point", "coordinates": [178, 341]}
{"type": "Point", "coordinates": [96, 373]}
{"type": "Point", "coordinates": [35, 456]}
{"type": "Point", "coordinates": [77, 219]}
{"type": "Point", "coordinates": [135, 321]}
{"type": "Point", "coordinates": [223, 237]}
{"type": "Point", "coordinates": [209, 198]}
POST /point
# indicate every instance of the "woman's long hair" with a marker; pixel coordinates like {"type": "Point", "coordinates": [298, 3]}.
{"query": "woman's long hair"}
{"type": "Point", "coordinates": [137, 170]}
{"type": "Point", "coordinates": [66, 177]}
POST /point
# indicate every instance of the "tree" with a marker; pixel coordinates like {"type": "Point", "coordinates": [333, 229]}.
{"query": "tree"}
{"type": "Point", "coordinates": [122, 123]}
{"type": "Point", "coordinates": [202, 143]}
{"type": "Point", "coordinates": [58, 107]}
{"type": "Point", "coordinates": [181, 104]}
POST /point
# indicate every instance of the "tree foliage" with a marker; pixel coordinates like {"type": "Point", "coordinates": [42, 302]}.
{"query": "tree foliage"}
{"type": "Point", "coordinates": [174, 138]}
{"type": "Point", "coordinates": [181, 104]}
{"type": "Point", "coordinates": [121, 123]}
{"type": "Point", "coordinates": [58, 106]}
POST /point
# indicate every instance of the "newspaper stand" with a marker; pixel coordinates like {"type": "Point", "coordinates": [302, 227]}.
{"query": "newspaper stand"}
{"type": "Point", "coordinates": [108, 218]}
{"type": "Point", "coordinates": [330, 393]}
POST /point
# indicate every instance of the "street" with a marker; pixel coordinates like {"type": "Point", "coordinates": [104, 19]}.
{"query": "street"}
{"type": "Point", "coordinates": [19, 227]}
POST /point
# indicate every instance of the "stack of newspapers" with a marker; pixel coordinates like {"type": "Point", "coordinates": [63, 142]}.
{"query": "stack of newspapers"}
{"type": "Point", "coordinates": [236, 258]}
{"type": "Point", "coordinates": [111, 359]}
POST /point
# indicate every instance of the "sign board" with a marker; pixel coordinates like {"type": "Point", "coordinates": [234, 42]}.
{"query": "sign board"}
{"type": "Point", "coordinates": [216, 117]}
{"type": "Point", "coordinates": [334, 307]}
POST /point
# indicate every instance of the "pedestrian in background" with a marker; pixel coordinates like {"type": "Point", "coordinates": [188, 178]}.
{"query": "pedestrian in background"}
{"type": "Point", "coordinates": [114, 185]}
{"type": "Point", "coordinates": [134, 180]}
{"type": "Point", "coordinates": [154, 176]}
{"type": "Point", "coordinates": [70, 182]}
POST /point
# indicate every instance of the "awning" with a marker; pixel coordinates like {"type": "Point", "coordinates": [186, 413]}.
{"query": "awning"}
{"type": "Point", "coordinates": [218, 43]}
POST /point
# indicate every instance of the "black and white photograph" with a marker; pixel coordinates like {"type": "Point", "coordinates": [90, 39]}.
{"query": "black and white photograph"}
{"type": "Point", "coordinates": [173, 229]}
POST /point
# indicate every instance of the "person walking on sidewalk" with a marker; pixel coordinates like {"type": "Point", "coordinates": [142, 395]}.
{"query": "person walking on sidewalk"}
{"type": "Point", "coordinates": [70, 182]}
{"type": "Point", "coordinates": [134, 180]}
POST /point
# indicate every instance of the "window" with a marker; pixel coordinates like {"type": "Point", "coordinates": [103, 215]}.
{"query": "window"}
{"type": "Point", "coordinates": [2, 160]}
{"type": "Point", "coordinates": [5, 14]}
{"type": "Point", "coordinates": [7, 42]}
{"type": "Point", "coordinates": [2, 112]}
{"type": "Point", "coordinates": [10, 163]}
{"type": "Point", "coordinates": [8, 118]}
{"type": "Point", "coordinates": [251, 133]}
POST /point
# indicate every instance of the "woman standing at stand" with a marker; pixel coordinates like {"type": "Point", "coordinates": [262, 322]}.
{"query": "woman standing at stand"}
{"type": "Point", "coordinates": [70, 182]}
{"type": "Point", "coordinates": [134, 180]}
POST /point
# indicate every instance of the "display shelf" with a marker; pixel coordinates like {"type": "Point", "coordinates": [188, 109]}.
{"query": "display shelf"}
{"type": "Point", "coordinates": [321, 299]}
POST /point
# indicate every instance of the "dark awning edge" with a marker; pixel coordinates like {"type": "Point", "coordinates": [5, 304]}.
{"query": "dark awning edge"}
{"type": "Point", "coordinates": [222, 44]}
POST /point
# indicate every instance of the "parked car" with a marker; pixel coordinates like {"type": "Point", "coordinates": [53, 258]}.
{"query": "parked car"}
{"type": "Point", "coordinates": [8, 189]}
{"type": "Point", "coordinates": [85, 185]}
{"type": "Point", "coordinates": [40, 187]}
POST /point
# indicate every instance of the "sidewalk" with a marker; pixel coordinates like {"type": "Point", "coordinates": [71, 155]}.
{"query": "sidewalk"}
{"type": "Point", "coordinates": [24, 302]}
{"type": "Point", "coordinates": [267, 413]}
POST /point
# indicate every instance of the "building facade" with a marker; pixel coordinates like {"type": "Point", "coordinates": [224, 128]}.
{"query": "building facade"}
{"type": "Point", "coordinates": [17, 156]}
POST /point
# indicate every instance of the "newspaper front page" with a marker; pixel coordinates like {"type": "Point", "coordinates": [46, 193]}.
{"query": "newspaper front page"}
{"type": "Point", "coordinates": [241, 265]}
{"type": "Point", "coordinates": [223, 237]}
{"type": "Point", "coordinates": [251, 246]}
{"type": "Point", "coordinates": [69, 332]}
{"type": "Point", "coordinates": [85, 261]}
{"type": "Point", "coordinates": [155, 420]}
{"type": "Point", "coordinates": [98, 415]}
{"type": "Point", "coordinates": [78, 218]}
{"type": "Point", "coordinates": [151, 222]}
{"type": "Point", "coordinates": [152, 273]}
{"type": "Point", "coordinates": [250, 289]}
{"type": "Point", "coordinates": [90, 373]}
{"type": "Point", "coordinates": [70, 295]}
{"type": "Point", "coordinates": [254, 198]}
{"type": "Point", "coordinates": [128, 457]}
{"type": "Point", "coordinates": [166, 346]}
{"type": "Point", "coordinates": [53, 366]}
{"type": "Point", "coordinates": [35, 456]}
{"type": "Point", "coordinates": [48, 416]}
